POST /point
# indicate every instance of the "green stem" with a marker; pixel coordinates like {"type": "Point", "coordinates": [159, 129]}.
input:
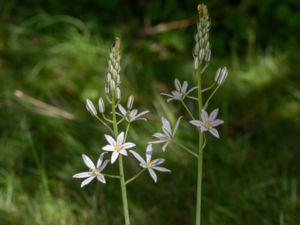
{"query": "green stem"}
{"type": "Point", "coordinates": [111, 176]}
{"type": "Point", "coordinates": [185, 149]}
{"type": "Point", "coordinates": [207, 89]}
{"type": "Point", "coordinates": [200, 154]}
{"type": "Point", "coordinates": [187, 109]}
{"type": "Point", "coordinates": [105, 124]}
{"type": "Point", "coordinates": [134, 177]}
{"type": "Point", "coordinates": [209, 98]}
{"type": "Point", "coordinates": [121, 167]}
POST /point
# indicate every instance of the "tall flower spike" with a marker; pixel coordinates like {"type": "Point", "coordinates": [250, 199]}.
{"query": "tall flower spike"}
{"type": "Point", "coordinates": [150, 164]}
{"type": "Point", "coordinates": [202, 50]}
{"type": "Point", "coordinates": [94, 171]}
{"type": "Point", "coordinates": [113, 72]}
{"type": "Point", "coordinates": [209, 122]}
{"type": "Point", "coordinates": [167, 134]}
{"type": "Point", "coordinates": [180, 92]}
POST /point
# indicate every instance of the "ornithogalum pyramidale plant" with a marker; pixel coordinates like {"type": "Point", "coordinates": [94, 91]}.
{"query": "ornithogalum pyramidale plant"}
{"type": "Point", "coordinates": [205, 122]}
{"type": "Point", "coordinates": [117, 144]}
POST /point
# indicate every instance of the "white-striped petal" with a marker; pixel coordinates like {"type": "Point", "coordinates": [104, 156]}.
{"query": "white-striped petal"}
{"type": "Point", "coordinates": [90, 107]}
{"type": "Point", "coordinates": [86, 181]}
{"type": "Point", "coordinates": [101, 178]}
{"type": "Point", "coordinates": [176, 126]}
{"type": "Point", "coordinates": [213, 114]}
{"type": "Point", "coordinates": [82, 175]}
{"type": "Point", "coordinates": [184, 87]}
{"type": "Point", "coordinates": [204, 115]}
{"type": "Point", "coordinates": [161, 169]}
{"type": "Point", "coordinates": [123, 152]}
{"type": "Point", "coordinates": [110, 139]}
{"type": "Point", "coordinates": [217, 122]}
{"type": "Point", "coordinates": [122, 110]}
{"type": "Point", "coordinates": [100, 159]}
{"type": "Point", "coordinates": [114, 156]}
{"type": "Point", "coordinates": [128, 145]}
{"type": "Point", "coordinates": [88, 162]}
{"type": "Point", "coordinates": [120, 138]}
{"type": "Point", "coordinates": [103, 165]}
{"type": "Point", "coordinates": [108, 148]}
{"type": "Point", "coordinates": [152, 174]}
{"type": "Point", "coordinates": [138, 157]}
{"type": "Point", "coordinates": [214, 132]}
{"type": "Point", "coordinates": [196, 123]}
{"type": "Point", "coordinates": [166, 125]}
{"type": "Point", "coordinates": [149, 153]}
{"type": "Point", "coordinates": [158, 161]}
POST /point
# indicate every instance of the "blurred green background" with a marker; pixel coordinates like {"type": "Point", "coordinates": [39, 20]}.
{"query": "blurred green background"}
{"type": "Point", "coordinates": [54, 56]}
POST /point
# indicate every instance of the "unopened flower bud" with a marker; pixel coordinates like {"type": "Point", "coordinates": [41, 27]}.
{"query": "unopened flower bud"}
{"type": "Point", "coordinates": [221, 75]}
{"type": "Point", "coordinates": [90, 107]}
{"type": "Point", "coordinates": [118, 93]}
{"type": "Point", "coordinates": [130, 102]}
{"type": "Point", "coordinates": [101, 105]}
{"type": "Point", "coordinates": [196, 63]}
{"type": "Point", "coordinates": [112, 85]}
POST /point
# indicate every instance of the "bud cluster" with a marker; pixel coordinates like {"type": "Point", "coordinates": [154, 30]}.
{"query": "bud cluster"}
{"type": "Point", "coordinates": [112, 86]}
{"type": "Point", "coordinates": [202, 50]}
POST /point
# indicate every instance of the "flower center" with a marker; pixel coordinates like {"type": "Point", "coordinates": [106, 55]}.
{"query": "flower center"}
{"type": "Point", "coordinates": [208, 124]}
{"type": "Point", "coordinates": [118, 147]}
{"type": "Point", "coordinates": [149, 164]}
{"type": "Point", "coordinates": [95, 171]}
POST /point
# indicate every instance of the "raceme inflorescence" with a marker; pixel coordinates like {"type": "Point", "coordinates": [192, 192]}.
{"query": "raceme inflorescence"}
{"type": "Point", "coordinates": [119, 148]}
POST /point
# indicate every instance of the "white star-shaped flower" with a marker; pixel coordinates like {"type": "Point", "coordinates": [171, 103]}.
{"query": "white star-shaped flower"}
{"type": "Point", "coordinates": [208, 122]}
{"type": "Point", "coordinates": [94, 171]}
{"type": "Point", "coordinates": [150, 165]}
{"type": "Point", "coordinates": [131, 115]}
{"type": "Point", "coordinates": [180, 92]}
{"type": "Point", "coordinates": [167, 135]}
{"type": "Point", "coordinates": [117, 146]}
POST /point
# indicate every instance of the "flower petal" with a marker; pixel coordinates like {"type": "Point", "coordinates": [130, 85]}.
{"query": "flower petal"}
{"type": "Point", "coordinates": [123, 152]}
{"type": "Point", "coordinates": [217, 122]}
{"type": "Point", "coordinates": [176, 125]}
{"type": "Point", "coordinates": [120, 138]}
{"type": "Point", "coordinates": [82, 175]}
{"type": "Point", "coordinates": [122, 110]}
{"type": "Point", "coordinates": [184, 87]}
{"type": "Point", "coordinates": [103, 165]}
{"type": "Point", "coordinates": [166, 126]}
{"type": "Point", "coordinates": [196, 123]}
{"type": "Point", "coordinates": [101, 178]}
{"type": "Point", "coordinates": [177, 84]}
{"type": "Point", "coordinates": [128, 145]}
{"type": "Point", "coordinates": [158, 161]}
{"type": "Point", "coordinates": [214, 132]}
{"type": "Point", "coordinates": [100, 159]}
{"type": "Point", "coordinates": [88, 162]}
{"type": "Point", "coordinates": [86, 181]}
{"type": "Point", "coordinates": [138, 157]}
{"type": "Point", "coordinates": [204, 116]}
{"type": "Point", "coordinates": [114, 156]}
{"type": "Point", "coordinates": [110, 139]}
{"type": "Point", "coordinates": [161, 169]}
{"type": "Point", "coordinates": [149, 153]}
{"type": "Point", "coordinates": [213, 114]}
{"type": "Point", "coordinates": [165, 146]}
{"type": "Point", "coordinates": [108, 148]}
{"type": "Point", "coordinates": [152, 174]}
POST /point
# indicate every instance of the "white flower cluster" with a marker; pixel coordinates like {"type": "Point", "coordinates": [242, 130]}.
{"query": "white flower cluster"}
{"type": "Point", "coordinates": [180, 92]}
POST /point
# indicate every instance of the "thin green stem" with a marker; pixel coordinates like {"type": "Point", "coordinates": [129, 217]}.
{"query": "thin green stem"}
{"type": "Point", "coordinates": [185, 149]}
{"type": "Point", "coordinates": [121, 167]}
{"type": "Point", "coordinates": [105, 124]}
{"type": "Point", "coordinates": [207, 89]}
{"type": "Point", "coordinates": [187, 109]}
{"type": "Point", "coordinates": [111, 176]}
{"type": "Point", "coordinates": [193, 98]}
{"type": "Point", "coordinates": [126, 132]}
{"type": "Point", "coordinates": [200, 154]}
{"type": "Point", "coordinates": [134, 177]}
{"type": "Point", "coordinates": [105, 118]}
{"type": "Point", "coordinates": [209, 98]}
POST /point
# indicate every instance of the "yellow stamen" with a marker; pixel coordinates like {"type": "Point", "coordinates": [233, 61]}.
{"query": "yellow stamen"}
{"type": "Point", "coordinates": [208, 124]}
{"type": "Point", "coordinates": [95, 171]}
{"type": "Point", "coordinates": [149, 164]}
{"type": "Point", "coordinates": [118, 147]}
